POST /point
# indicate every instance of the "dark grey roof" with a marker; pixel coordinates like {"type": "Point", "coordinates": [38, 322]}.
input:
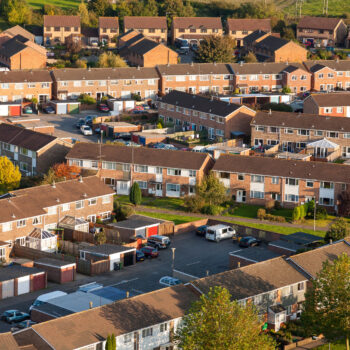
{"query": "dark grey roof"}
{"type": "Point", "coordinates": [52, 262]}
{"type": "Point", "coordinates": [143, 46]}
{"type": "Point", "coordinates": [136, 221]}
{"type": "Point", "coordinates": [12, 46]}
{"type": "Point", "coordinates": [15, 271]}
{"type": "Point", "coordinates": [53, 310]}
{"type": "Point", "coordinates": [271, 43]}
{"type": "Point", "coordinates": [291, 246]}
{"type": "Point", "coordinates": [200, 103]}
{"type": "Point", "coordinates": [255, 254]}
{"type": "Point", "coordinates": [32, 140]}
{"type": "Point", "coordinates": [104, 249]}
{"type": "Point", "coordinates": [301, 238]}
{"type": "Point", "coordinates": [89, 32]}
{"type": "Point", "coordinates": [253, 36]}
{"type": "Point", "coordinates": [277, 308]}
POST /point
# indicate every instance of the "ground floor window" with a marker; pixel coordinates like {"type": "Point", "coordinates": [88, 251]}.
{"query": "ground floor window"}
{"type": "Point", "coordinates": [326, 201]}
{"type": "Point", "coordinates": [291, 198]}
{"type": "Point", "coordinates": [142, 184]}
{"type": "Point", "coordinates": [256, 194]}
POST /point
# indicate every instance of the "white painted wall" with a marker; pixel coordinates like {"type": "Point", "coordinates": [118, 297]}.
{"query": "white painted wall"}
{"type": "Point", "coordinates": [257, 186]}
{"type": "Point", "coordinates": [327, 193]}
{"type": "Point", "coordinates": [288, 189]}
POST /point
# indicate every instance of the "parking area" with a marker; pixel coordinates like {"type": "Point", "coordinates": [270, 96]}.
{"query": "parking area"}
{"type": "Point", "coordinates": [194, 255]}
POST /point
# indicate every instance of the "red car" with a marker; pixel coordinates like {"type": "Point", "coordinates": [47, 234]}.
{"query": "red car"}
{"type": "Point", "coordinates": [149, 252]}
{"type": "Point", "coordinates": [103, 108]}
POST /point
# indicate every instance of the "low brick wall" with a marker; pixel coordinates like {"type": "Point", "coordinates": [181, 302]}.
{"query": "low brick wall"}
{"type": "Point", "coordinates": [189, 226]}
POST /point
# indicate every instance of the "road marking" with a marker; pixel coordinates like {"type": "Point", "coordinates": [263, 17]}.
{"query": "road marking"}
{"type": "Point", "coordinates": [125, 281]}
{"type": "Point", "coordinates": [196, 262]}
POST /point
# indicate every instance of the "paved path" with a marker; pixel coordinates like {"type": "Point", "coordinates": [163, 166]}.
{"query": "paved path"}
{"type": "Point", "coordinates": [225, 218]}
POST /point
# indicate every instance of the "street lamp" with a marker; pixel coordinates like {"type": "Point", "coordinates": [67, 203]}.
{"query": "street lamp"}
{"type": "Point", "coordinates": [173, 261]}
{"type": "Point", "coordinates": [315, 214]}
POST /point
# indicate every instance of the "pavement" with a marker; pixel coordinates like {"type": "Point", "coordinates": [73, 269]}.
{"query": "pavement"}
{"type": "Point", "coordinates": [194, 255]}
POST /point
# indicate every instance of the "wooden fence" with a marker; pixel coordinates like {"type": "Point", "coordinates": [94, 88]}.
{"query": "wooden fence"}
{"type": "Point", "coordinates": [35, 254]}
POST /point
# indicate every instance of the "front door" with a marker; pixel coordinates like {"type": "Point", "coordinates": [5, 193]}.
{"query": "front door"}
{"type": "Point", "coordinates": [159, 190]}
{"type": "Point", "coordinates": [241, 196]}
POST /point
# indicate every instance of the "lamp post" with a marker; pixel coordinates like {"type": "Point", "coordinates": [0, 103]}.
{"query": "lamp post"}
{"type": "Point", "coordinates": [173, 261]}
{"type": "Point", "coordinates": [315, 214]}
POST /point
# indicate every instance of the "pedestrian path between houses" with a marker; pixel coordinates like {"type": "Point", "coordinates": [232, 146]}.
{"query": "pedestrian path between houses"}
{"type": "Point", "coordinates": [226, 218]}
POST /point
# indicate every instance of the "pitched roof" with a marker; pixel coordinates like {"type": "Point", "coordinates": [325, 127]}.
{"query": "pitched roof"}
{"type": "Point", "coordinates": [141, 155]}
{"type": "Point", "coordinates": [145, 22]}
{"type": "Point", "coordinates": [264, 68]}
{"type": "Point", "coordinates": [30, 202]}
{"type": "Point", "coordinates": [21, 137]}
{"type": "Point", "coordinates": [311, 262]}
{"type": "Point", "coordinates": [23, 76]}
{"type": "Point", "coordinates": [332, 99]}
{"type": "Point", "coordinates": [104, 73]}
{"type": "Point", "coordinates": [271, 43]}
{"type": "Point", "coordinates": [108, 22]}
{"type": "Point", "coordinates": [8, 342]}
{"type": "Point", "coordinates": [61, 21]}
{"type": "Point", "coordinates": [75, 331]}
{"type": "Point", "coordinates": [301, 121]}
{"type": "Point", "coordinates": [194, 69]}
{"type": "Point", "coordinates": [324, 143]}
{"type": "Point", "coordinates": [318, 22]}
{"type": "Point", "coordinates": [29, 337]}
{"type": "Point", "coordinates": [249, 24]}
{"type": "Point", "coordinates": [268, 166]}
{"type": "Point", "coordinates": [143, 46]}
{"type": "Point", "coordinates": [13, 46]}
{"type": "Point", "coordinates": [337, 65]}
{"type": "Point", "coordinates": [18, 30]}
{"type": "Point", "coordinates": [200, 103]}
{"type": "Point", "coordinates": [253, 279]}
{"type": "Point", "coordinates": [197, 22]}
{"type": "Point", "coordinates": [250, 38]}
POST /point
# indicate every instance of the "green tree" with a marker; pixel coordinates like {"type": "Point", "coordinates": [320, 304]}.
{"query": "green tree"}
{"type": "Point", "coordinates": [80, 64]}
{"type": "Point", "coordinates": [151, 8]}
{"type": "Point", "coordinates": [296, 213]}
{"type": "Point", "coordinates": [177, 8]}
{"type": "Point", "coordinates": [10, 176]}
{"type": "Point", "coordinates": [250, 58]}
{"type": "Point", "coordinates": [114, 342]}
{"type": "Point", "coordinates": [17, 11]}
{"type": "Point", "coordinates": [109, 59]}
{"type": "Point", "coordinates": [338, 230]}
{"type": "Point", "coordinates": [211, 190]}
{"type": "Point", "coordinates": [101, 238]}
{"type": "Point", "coordinates": [84, 14]}
{"type": "Point", "coordinates": [215, 322]}
{"type": "Point", "coordinates": [123, 9]}
{"type": "Point", "coordinates": [109, 344]}
{"type": "Point", "coordinates": [135, 194]}
{"type": "Point", "coordinates": [99, 7]}
{"type": "Point", "coordinates": [216, 48]}
{"type": "Point", "coordinates": [326, 308]}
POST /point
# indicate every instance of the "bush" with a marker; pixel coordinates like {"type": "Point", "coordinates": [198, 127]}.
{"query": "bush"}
{"type": "Point", "coordinates": [277, 107]}
{"type": "Point", "coordinates": [123, 212]}
{"type": "Point", "coordinates": [296, 214]}
{"type": "Point", "coordinates": [194, 204]}
{"type": "Point", "coordinates": [269, 204]}
{"type": "Point", "coordinates": [211, 209]}
{"type": "Point", "coordinates": [321, 214]}
{"type": "Point", "coordinates": [135, 194]}
{"type": "Point", "coordinates": [303, 211]}
{"type": "Point", "coordinates": [261, 214]}
{"type": "Point", "coordinates": [278, 205]}
{"type": "Point", "coordinates": [136, 97]}
{"type": "Point", "coordinates": [86, 99]}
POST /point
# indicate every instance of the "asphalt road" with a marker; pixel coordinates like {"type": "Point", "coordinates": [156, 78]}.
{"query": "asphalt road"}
{"type": "Point", "coordinates": [194, 255]}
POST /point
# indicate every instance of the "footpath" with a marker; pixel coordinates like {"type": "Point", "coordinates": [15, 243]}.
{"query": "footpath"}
{"type": "Point", "coordinates": [226, 218]}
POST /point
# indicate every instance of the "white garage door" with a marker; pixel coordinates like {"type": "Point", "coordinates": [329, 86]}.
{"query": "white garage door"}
{"type": "Point", "coordinates": [23, 285]}
{"type": "Point", "coordinates": [7, 289]}
{"type": "Point", "coordinates": [114, 258]}
{"type": "Point", "coordinates": [61, 108]}
{"type": "Point", "coordinates": [4, 110]}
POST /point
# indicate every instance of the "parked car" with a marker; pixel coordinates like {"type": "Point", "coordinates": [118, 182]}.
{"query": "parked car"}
{"type": "Point", "coordinates": [126, 136]}
{"type": "Point", "coordinates": [169, 281]}
{"type": "Point", "coordinates": [89, 119]}
{"type": "Point", "coordinates": [27, 110]}
{"type": "Point", "coordinates": [249, 241]}
{"type": "Point", "coordinates": [43, 298]}
{"type": "Point", "coordinates": [159, 242]}
{"type": "Point", "coordinates": [86, 130]}
{"type": "Point", "coordinates": [137, 111]}
{"type": "Point", "coordinates": [140, 256]}
{"type": "Point", "coordinates": [149, 252]}
{"type": "Point", "coordinates": [146, 106]}
{"type": "Point", "coordinates": [25, 324]}
{"type": "Point", "coordinates": [14, 316]}
{"type": "Point", "coordinates": [217, 233]}
{"type": "Point", "coordinates": [49, 110]}
{"type": "Point", "coordinates": [80, 123]}
{"type": "Point", "coordinates": [103, 107]}
{"type": "Point", "coordinates": [201, 230]}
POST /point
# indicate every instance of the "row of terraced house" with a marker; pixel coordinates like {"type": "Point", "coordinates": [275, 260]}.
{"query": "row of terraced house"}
{"type": "Point", "coordinates": [62, 84]}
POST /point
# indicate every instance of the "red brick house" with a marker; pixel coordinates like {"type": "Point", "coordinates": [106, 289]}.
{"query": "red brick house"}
{"type": "Point", "coordinates": [108, 29]}
{"type": "Point", "coordinates": [332, 104]}
{"type": "Point", "coordinates": [162, 173]}
{"type": "Point", "coordinates": [194, 112]}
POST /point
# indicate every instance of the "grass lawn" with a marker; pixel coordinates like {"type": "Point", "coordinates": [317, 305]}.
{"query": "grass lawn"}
{"type": "Point", "coordinates": [337, 346]}
{"type": "Point", "coordinates": [279, 229]}
{"type": "Point", "coordinates": [177, 219]}
{"type": "Point", "coordinates": [64, 4]}
{"type": "Point", "coordinates": [161, 203]}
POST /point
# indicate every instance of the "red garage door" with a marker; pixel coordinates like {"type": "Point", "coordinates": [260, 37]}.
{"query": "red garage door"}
{"type": "Point", "coordinates": [67, 275]}
{"type": "Point", "coordinates": [151, 231]}
{"type": "Point", "coordinates": [15, 111]}
{"type": "Point", "coordinates": [39, 281]}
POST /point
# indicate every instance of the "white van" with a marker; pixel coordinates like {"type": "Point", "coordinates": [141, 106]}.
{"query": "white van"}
{"type": "Point", "coordinates": [219, 232]}
{"type": "Point", "coordinates": [43, 298]}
